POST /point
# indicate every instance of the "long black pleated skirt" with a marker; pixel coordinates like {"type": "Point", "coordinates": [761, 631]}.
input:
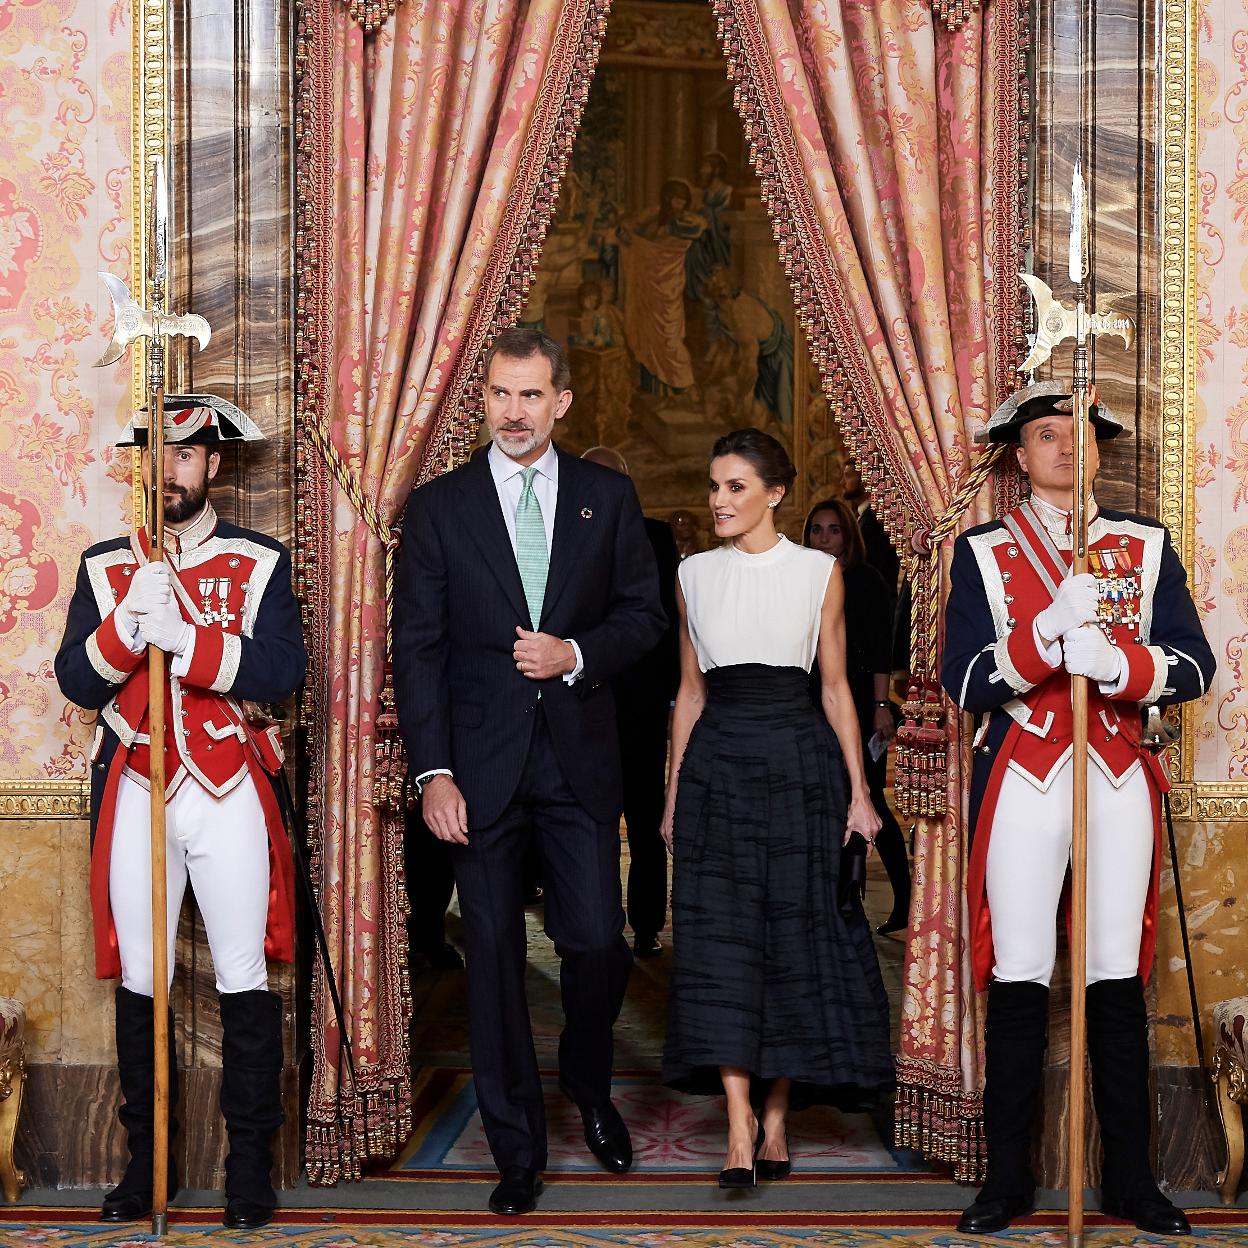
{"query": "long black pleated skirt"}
{"type": "Point", "coordinates": [768, 974]}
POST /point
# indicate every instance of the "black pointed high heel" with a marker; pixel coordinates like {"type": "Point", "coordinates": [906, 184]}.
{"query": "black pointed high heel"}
{"type": "Point", "coordinates": [769, 1171]}
{"type": "Point", "coordinates": [741, 1178]}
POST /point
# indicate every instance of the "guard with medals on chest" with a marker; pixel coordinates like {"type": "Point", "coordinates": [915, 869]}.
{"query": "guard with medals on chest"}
{"type": "Point", "coordinates": [1018, 626]}
{"type": "Point", "coordinates": [223, 609]}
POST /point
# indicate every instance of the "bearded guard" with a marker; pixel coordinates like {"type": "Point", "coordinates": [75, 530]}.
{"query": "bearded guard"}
{"type": "Point", "coordinates": [222, 607]}
{"type": "Point", "coordinates": [1015, 634]}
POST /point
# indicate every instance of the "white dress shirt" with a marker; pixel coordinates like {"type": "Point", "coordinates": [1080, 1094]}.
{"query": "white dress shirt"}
{"type": "Point", "coordinates": [509, 482]}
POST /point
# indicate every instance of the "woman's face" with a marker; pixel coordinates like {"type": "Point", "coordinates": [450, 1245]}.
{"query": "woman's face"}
{"type": "Point", "coordinates": [739, 500]}
{"type": "Point", "coordinates": [826, 534]}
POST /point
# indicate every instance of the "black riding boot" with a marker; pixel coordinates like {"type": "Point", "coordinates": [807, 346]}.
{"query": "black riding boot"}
{"type": "Point", "coordinates": [1118, 1053]}
{"type": "Point", "coordinates": [131, 1199]}
{"type": "Point", "coordinates": [1015, 1035]}
{"type": "Point", "coordinates": [251, 1101]}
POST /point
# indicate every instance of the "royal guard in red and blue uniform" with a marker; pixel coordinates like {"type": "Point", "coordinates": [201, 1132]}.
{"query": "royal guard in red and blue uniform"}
{"type": "Point", "coordinates": [1018, 625]}
{"type": "Point", "coordinates": [222, 607]}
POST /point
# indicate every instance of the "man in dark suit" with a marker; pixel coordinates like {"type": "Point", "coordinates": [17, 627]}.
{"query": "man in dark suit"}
{"type": "Point", "coordinates": [525, 584]}
{"type": "Point", "coordinates": [880, 553]}
{"type": "Point", "coordinates": [643, 699]}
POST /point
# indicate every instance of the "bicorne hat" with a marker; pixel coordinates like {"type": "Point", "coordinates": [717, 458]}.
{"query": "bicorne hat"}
{"type": "Point", "coordinates": [1044, 398]}
{"type": "Point", "coordinates": [196, 420]}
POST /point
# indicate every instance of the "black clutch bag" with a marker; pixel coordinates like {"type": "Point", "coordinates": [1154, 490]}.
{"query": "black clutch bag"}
{"type": "Point", "coordinates": [852, 887]}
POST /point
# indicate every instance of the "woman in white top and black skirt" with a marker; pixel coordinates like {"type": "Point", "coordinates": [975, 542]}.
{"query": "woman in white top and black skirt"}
{"type": "Point", "coordinates": [775, 988]}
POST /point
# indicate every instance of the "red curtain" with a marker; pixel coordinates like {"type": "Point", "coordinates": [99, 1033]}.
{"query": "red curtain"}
{"type": "Point", "coordinates": [430, 153]}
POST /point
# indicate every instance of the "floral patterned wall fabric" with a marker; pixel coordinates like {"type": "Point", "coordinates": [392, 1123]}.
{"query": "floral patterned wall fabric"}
{"type": "Point", "coordinates": [1220, 573]}
{"type": "Point", "coordinates": [65, 109]}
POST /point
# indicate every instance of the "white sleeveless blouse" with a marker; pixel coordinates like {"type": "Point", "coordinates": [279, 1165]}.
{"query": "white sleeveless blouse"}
{"type": "Point", "coordinates": [764, 608]}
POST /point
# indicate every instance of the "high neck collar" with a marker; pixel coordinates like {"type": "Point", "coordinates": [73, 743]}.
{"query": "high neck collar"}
{"type": "Point", "coordinates": [194, 535]}
{"type": "Point", "coordinates": [761, 556]}
{"type": "Point", "coordinates": [1059, 522]}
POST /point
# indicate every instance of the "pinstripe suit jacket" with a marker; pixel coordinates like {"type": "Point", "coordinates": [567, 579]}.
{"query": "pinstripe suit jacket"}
{"type": "Point", "coordinates": [461, 702]}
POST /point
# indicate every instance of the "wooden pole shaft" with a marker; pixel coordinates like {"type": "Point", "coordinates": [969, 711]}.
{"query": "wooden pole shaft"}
{"type": "Point", "coordinates": [156, 753]}
{"type": "Point", "coordinates": [1076, 1118]}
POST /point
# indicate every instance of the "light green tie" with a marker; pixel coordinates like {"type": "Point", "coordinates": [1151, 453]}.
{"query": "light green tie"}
{"type": "Point", "coordinates": [532, 555]}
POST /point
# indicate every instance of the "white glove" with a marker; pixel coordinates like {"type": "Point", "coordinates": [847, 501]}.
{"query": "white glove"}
{"type": "Point", "coordinates": [164, 626]}
{"type": "Point", "coordinates": [149, 590]}
{"type": "Point", "coordinates": [1088, 652]}
{"type": "Point", "coordinates": [1075, 604]}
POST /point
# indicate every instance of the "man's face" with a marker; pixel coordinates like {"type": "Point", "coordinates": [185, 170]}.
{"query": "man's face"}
{"type": "Point", "coordinates": [1047, 454]}
{"type": "Point", "coordinates": [522, 405]}
{"type": "Point", "coordinates": [851, 480]}
{"type": "Point", "coordinates": [188, 469]}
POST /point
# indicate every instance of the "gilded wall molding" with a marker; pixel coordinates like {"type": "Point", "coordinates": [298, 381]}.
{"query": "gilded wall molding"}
{"type": "Point", "coordinates": [45, 799]}
{"type": "Point", "coordinates": [1179, 211]}
{"type": "Point", "coordinates": [149, 79]}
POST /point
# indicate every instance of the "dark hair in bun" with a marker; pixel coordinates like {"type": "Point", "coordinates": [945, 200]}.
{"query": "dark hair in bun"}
{"type": "Point", "coordinates": [765, 454]}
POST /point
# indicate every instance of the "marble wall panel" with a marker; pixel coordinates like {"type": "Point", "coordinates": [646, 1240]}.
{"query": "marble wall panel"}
{"type": "Point", "coordinates": [86, 1002]}
{"type": "Point", "coordinates": [1119, 172]}
{"type": "Point", "coordinates": [1213, 862]}
{"type": "Point", "coordinates": [30, 928]}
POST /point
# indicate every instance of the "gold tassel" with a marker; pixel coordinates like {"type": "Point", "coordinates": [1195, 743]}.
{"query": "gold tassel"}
{"type": "Point", "coordinates": [372, 13]}
{"type": "Point", "coordinates": [954, 13]}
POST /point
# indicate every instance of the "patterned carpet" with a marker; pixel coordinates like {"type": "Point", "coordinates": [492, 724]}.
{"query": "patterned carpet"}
{"type": "Point", "coordinates": [369, 1229]}
{"type": "Point", "coordinates": [675, 1138]}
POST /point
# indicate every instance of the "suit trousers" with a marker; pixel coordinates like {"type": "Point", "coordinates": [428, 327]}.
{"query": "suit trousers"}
{"type": "Point", "coordinates": [643, 757]}
{"type": "Point", "coordinates": [585, 920]}
{"type": "Point", "coordinates": [219, 844]}
{"type": "Point", "coordinates": [1028, 859]}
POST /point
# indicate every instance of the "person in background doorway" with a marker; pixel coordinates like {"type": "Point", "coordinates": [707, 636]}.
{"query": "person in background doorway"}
{"type": "Point", "coordinates": [687, 530]}
{"type": "Point", "coordinates": [879, 550]}
{"type": "Point", "coordinates": [643, 700]}
{"type": "Point", "coordinates": [832, 527]}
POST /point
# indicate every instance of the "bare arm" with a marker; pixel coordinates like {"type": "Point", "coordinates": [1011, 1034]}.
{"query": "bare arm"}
{"type": "Point", "coordinates": [838, 706]}
{"type": "Point", "coordinates": [690, 699]}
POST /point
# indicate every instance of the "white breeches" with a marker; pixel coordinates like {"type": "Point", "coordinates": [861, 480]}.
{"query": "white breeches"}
{"type": "Point", "coordinates": [220, 844]}
{"type": "Point", "coordinates": [1028, 857]}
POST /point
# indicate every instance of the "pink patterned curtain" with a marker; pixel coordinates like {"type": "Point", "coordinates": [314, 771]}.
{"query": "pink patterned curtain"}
{"type": "Point", "coordinates": [429, 158]}
{"type": "Point", "coordinates": [890, 152]}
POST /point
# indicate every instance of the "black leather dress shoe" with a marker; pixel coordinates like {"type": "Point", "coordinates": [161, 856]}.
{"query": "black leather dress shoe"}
{"type": "Point", "coordinates": [984, 1217]}
{"type": "Point", "coordinates": [245, 1215]}
{"type": "Point", "coordinates": [517, 1192]}
{"type": "Point", "coordinates": [606, 1133]}
{"type": "Point", "coordinates": [606, 1136]}
{"type": "Point", "coordinates": [647, 946]}
{"type": "Point", "coordinates": [1153, 1213]}
{"type": "Point", "coordinates": [129, 1208]}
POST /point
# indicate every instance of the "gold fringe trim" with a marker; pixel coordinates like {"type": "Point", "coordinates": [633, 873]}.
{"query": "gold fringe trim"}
{"type": "Point", "coordinates": [938, 1118]}
{"type": "Point", "coordinates": [954, 13]}
{"type": "Point", "coordinates": [372, 13]}
{"type": "Point", "coordinates": [377, 1126]}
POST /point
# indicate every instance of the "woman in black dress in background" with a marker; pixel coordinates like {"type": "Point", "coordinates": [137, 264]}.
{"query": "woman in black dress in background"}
{"type": "Point", "coordinates": [773, 988]}
{"type": "Point", "coordinates": [833, 528]}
